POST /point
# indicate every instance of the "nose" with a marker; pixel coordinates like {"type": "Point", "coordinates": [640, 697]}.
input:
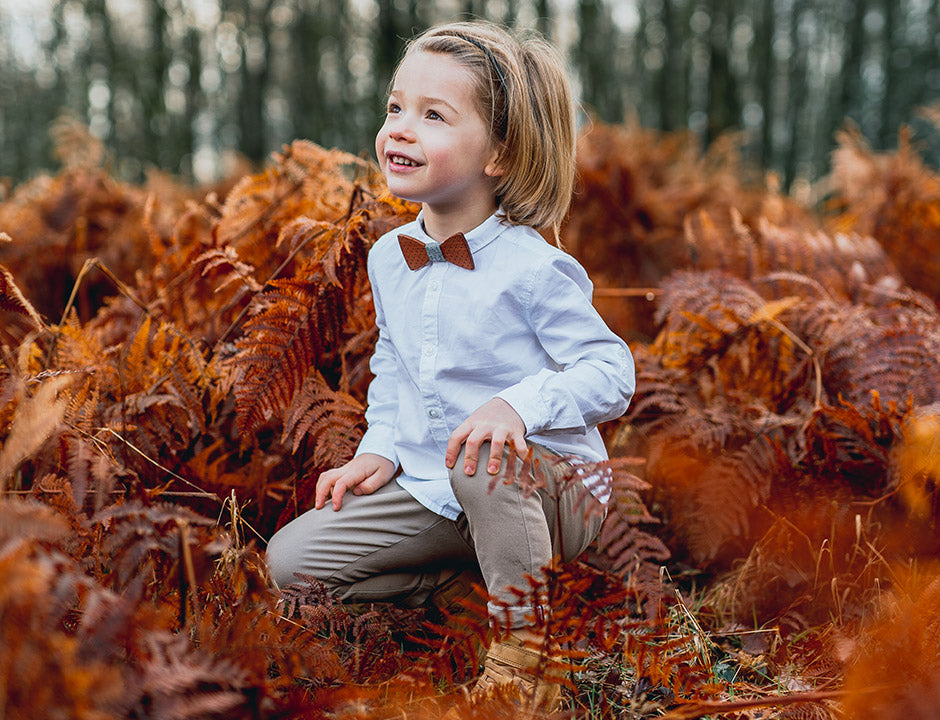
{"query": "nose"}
{"type": "Point", "coordinates": [400, 126]}
{"type": "Point", "coordinates": [401, 131]}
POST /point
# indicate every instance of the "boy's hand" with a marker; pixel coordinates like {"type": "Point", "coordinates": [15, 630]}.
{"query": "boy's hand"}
{"type": "Point", "coordinates": [496, 421]}
{"type": "Point", "coordinates": [364, 474]}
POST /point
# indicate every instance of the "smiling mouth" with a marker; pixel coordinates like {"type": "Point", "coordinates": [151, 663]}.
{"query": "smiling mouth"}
{"type": "Point", "coordinates": [402, 160]}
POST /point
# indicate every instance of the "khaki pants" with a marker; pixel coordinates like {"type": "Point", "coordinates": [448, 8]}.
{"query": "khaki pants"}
{"type": "Point", "coordinates": [387, 546]}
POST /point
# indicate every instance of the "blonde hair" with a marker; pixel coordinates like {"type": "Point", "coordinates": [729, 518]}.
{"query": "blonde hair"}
{"type": "Point", "coordinates": [523, 90]}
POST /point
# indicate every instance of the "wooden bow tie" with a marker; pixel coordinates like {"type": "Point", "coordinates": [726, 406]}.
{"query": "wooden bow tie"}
{"type": "Point", "coordinates": [454, 250]}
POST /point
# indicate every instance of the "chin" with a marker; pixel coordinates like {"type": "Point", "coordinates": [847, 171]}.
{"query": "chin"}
{"type": "Point", "coordinates": [402, 193]}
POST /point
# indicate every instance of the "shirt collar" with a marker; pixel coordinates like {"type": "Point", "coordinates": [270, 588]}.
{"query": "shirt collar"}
{"type": "Point", "coordinates": [481, 236]}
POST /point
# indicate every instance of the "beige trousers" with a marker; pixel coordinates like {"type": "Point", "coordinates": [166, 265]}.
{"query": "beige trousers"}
{"type": "Point", "coordinates": [387, 546]}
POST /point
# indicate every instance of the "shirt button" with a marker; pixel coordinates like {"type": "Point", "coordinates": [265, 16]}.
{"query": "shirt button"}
{"type": "Point", "coordinates": [429, 350]}
{"type": "Point", "coordinates": [434, 285]}
{"type": "Point", "coordinates": [434, 413]}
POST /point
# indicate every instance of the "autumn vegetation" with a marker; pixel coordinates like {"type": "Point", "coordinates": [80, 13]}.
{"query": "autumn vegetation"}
{"type": "Point", "coordinates": [179, 363]}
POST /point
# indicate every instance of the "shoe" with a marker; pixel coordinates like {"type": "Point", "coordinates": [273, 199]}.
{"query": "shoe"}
{"type": "Point", "coordinates": [517, 661]}
{"type": "Point", "coordinates": [458, 605]}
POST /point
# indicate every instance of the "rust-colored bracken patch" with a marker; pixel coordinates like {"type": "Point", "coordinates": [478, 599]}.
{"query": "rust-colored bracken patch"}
{"type": "Point", "coordinates": [178, 365]}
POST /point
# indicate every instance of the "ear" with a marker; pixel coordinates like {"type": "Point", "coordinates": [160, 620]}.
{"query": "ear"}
{"type": "Point", "coordinates": [494, 167]}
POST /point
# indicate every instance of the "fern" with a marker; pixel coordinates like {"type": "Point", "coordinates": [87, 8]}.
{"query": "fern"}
{"type": "Point", "coordinates": [144, 544]}
{"type": "Point", "coordinates": [303, 320]}
{"type": "Point", "coordinates": [216, 344]}
{"type": "Point", "coordinates": [854, 444]}
{"type": "Point", "coordinates": [897, 654]}
{"type": "Point", "coordinates": [36, 419]}
{"type": "Point", "coordinates": [767, 248]}
{"type": "Point", "coordinates": [331, 420]}
{"type": "Point", "coordinates": [280, 346]}
{"type": "Point", "coordinates": [20, 317]}
{"type": "Point", "coordinates": [893, 197]}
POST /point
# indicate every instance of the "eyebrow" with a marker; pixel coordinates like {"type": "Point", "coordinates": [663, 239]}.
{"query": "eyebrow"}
{"type": "Point", "coordinates": [430, 100]}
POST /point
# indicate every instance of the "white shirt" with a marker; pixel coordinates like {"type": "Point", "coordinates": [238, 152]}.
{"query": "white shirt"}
{"type": "Point", "coordinates": [519, 326]}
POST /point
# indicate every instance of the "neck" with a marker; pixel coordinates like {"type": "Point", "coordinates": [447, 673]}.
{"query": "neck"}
{"type": "Point", "coordinates": [440, 223]}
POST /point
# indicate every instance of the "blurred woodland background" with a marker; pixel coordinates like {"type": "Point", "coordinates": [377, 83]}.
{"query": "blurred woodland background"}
{"type": "Point", "coordinates": [184, 346]}
{"type": "Point", "coordinates": [181, 85]}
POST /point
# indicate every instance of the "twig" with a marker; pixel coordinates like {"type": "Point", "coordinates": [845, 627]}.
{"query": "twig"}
{"type": "Point", "coordinates": [646, 293]}
{"type": "Point", "coordinates": [169, 472]}
{"type": "Point", "coordinates": [91, 263]}
{"type": "Point", "coordinates": [186, 557]}
{"type": "Point", "coordinates": [817, 369]}
{"type": "Point", "coordinates": [708, 707]}
{"type": "Point", "coordinates": [244, 311]}
{"type": "Point", "coordinates": [164, 493]}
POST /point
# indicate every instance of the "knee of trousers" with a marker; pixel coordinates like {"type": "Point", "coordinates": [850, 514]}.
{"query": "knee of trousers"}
{"type": "Point", "coordinates": [286, 556]}
{"type": "Point", "coordinates": [282, 561]}
{"type": "Point", "coordinates": [478, 487]}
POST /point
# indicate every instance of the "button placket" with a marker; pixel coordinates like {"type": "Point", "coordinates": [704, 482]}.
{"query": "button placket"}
{"type": "Point", "coordinates": [428, 352]}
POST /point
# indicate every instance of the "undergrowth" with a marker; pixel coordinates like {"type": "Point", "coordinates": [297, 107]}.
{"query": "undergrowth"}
{"type": "Point", "coordinates": [177, 366]}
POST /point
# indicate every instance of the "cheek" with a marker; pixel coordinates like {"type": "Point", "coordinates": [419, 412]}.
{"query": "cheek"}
{"type": "Point", "coordinates": [380, 147]}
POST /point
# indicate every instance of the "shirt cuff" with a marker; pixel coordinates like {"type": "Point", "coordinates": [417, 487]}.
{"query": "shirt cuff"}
{"type": "Point", "coordinates": [527, 402]}
{"type": "Point", "coordinates": [378, 442]}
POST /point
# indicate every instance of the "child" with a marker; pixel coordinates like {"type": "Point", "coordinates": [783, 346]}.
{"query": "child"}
{"type": "Point", "coordinates": [487, 341]}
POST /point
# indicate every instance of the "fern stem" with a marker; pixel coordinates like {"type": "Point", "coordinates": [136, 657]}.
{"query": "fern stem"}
{"type": "Point", "coordinates": [129, 444]}
{"type": "Point", "coordinates": [280, 268]}
{"type": "Point", "coordinates": [186, 560]}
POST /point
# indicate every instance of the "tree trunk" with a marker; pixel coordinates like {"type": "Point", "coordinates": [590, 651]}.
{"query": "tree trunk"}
{"type": "Point", "coordinates": [796, 84]}
{"type": "Point", "coordinates": [765, 74]}
{"type": "Point", "coordinates": [724, 107]}
{"type": "Point", "coordinates": [153, 85]}
{"type": "Point", "coordinates": [889, 115]}
{"type": "Point", "coordinates": [849, 96]}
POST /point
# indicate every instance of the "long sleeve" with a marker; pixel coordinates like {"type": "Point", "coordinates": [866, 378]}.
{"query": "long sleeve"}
{"type": "Point", "coordinates": [382, 409]}
{"type": "Point", "coordinates": [594, 379]}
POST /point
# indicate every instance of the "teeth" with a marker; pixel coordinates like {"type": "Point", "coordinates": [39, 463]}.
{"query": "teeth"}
{"type": "Point", "coordinates": [400, 160]}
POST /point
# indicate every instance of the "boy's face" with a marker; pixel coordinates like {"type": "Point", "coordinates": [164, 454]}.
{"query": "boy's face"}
{"type": "Point", "coordinates": [435, 146]}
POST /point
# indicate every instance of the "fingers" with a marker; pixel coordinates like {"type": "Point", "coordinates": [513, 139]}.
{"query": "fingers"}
{"type": "Point", "coordinates": [497, 444]}
{"type": "Point", "coordinates": [517, 439]}
{"type": "Point", "coordinates": [500, 440]}
{"type": "Point", "coordinates": [364, 474]}
{"type": "Point", "coordinates": [500, 443]}
{"type": "Point", "coordinates": [454, 443]}
{"type": "Point", "coordinates": [325, 486]}
{"type": "Point", "coordinates": [334, 483]}
{"type": "Point", "coordinates": [339, 489]}
{"type": "Point", "coordinates": [472, 451]}
{"type": "Point", "coordinates": [370, 484]}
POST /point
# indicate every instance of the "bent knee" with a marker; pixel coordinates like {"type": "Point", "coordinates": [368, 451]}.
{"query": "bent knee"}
{"type": "Point", "coordinates": [290, 555]}
{"type": "Point", "coordinates": [282, 557]}
{"type": "Point", "coordinates": [479, 484]}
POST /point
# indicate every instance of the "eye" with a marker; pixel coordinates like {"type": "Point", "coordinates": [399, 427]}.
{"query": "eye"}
{"type": "Point", "coordinates": [434, 115]}
{"type": "Point", "coordinates": [392, 109]}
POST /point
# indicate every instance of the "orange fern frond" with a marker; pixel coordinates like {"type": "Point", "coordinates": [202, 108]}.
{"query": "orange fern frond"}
{"type": "Point", "coordinates": [13, 301]}
{"type": "Point", "coordinates": [891, 352]}
{"type": "Point", "coordinates": [746, 252]}
{"type": "Point", "coordinates": [281, 344]}
{"type": "Point", "coordinates": [238, 271]}
{"type": "Point", "coordinates": [144, 545]}
{"type": "Point", "coordinates": [895, 197]}
{"type": "Point", "coordinates": [332, 420]}
{"type": "Point", "coordinates": [304, 318]}
{"type": "Point", "coordinates": [895, 661]}
{"type": "Point", "coordinates": [854, 443]}
{"type": "Point", "coordinates": [35, 420]}
{"type": "Point", "coordinates": [626, 544]}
